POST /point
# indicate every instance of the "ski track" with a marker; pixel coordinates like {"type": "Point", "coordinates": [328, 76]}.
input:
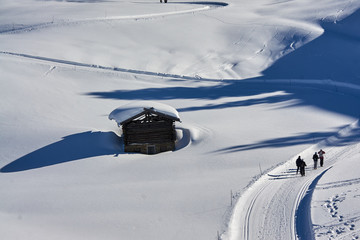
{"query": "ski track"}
{"type": "Point", "coordinates": [248, 215]}
{"type": "Point", "coordinates": [205, 6]}
{"type": "Point", "coordinates": [331, 85]}
{"type": "Point", "coordinates": [302, 214]}
{"type": "Point", "coordinates": [282, 192]}
{"type": "Point", "coordinates": [277, 205]}
{"type": "Point", "coordinates": [98, 67]}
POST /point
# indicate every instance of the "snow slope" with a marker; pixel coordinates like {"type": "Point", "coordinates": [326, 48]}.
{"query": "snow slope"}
{"type": "Point", "coordinates": [238, 73]}
{"type": "Point", "coordinates": [277, 206]}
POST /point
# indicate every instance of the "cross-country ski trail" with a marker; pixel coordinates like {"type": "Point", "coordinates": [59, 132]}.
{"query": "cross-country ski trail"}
{"type": "Point", "coordinates": [277, 205]}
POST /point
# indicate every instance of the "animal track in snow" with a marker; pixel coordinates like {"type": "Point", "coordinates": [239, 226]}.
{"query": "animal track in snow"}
{"type": "Point", "coordinates": [342, 227]}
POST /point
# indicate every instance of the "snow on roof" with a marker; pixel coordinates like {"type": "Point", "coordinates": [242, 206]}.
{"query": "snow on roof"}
{"type": "Point", "coordinates": [130, 110]}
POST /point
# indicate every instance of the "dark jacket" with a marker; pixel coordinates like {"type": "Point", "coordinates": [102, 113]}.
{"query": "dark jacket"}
{"type": "Point", "coordinates": [298, 162]}
{"type": "Point", "coordinates": [302, 163]}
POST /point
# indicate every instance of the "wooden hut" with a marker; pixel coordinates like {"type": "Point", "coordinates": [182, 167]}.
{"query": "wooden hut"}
{"type": "Point", "coordinates": [149, 129]}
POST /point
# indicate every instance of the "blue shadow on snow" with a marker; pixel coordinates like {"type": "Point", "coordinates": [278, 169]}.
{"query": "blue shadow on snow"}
{"type": "Point", "coordinates": [303, 138]}
{"type": "Point", "coordinates": [334, 55]}
{"type": "Point", "coordinates": [70, 148]}
{"type": "Point", "coordinates": [303, 223]}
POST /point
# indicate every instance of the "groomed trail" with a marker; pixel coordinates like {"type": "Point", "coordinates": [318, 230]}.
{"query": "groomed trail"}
{"type": "Point", "coordinates": [277, 205]}
{"type": "Point", "coordinates": [274, 205]}
{"type": "Point", "coordinates": [201, 6]}
{"type": "Point", "coordinates": [62, 62]}
{"type": "Point", "coordinates": [198, 7]}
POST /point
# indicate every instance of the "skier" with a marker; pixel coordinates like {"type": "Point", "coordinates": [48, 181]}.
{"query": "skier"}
{"type": "Point", "coordinates": [315, 158]}
{"type": "Point", "coordinates": [302, 167]}
{"type": "Point", "coordinates": [321, 156]}
{"type": "Point", "coordinates": [298, 163]}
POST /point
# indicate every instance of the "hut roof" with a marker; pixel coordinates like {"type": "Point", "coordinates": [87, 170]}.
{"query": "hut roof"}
{"type": "Point", "coordinates": [131, 111]}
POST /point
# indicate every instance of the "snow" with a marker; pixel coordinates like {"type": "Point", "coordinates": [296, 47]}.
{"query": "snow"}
{"type": "Point", "coordinates": [257, 83]}
{"type": "Point", "coordinates": [130, 110]}
{"type": "Point", "coordinates": [300, 201]}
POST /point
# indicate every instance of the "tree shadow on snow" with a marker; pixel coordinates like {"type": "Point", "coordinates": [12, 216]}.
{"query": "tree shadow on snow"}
{"type": "Point", "coordinates": [305, 138]}
{"type": "Point", "coordinates": [304, 96]}
{"type": "Point", "coordinates": [332, 56]}
{"type": "Point", "coordinates": [70, 148]}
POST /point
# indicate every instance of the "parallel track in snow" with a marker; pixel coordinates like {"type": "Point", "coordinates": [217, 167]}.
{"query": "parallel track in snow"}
{"type": "Point", "coordinates": [277, 205]}
{"type": "Point", "coordinates": [274, 208]}
{"type": "Point", "coordinates": [63, 62]}
{"type": "Point", "coordinates": [321, 84]}
{"type": "Point", "coordinates": [27, 28]}
{"type": "Point", "coordinates": [249, 211]}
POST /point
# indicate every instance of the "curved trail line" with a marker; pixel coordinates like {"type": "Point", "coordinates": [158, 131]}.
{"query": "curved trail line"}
{"type": "Point", "coordinates": [95, 66]}
{"type": "Point", "coordinates": [290, 82]}
{"type": "Point", "coordinates": [277, 205]}
{"type": "Point", "coordinates": [275, 208]}
{"type": "Point", "coordinates": [303, 223]}
{"type": "Point", "coordinates": [206, 6]}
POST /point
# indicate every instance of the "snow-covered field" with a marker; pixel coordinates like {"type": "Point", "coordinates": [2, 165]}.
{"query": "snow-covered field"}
{"type": "Point", "coordinates": [256, 82]}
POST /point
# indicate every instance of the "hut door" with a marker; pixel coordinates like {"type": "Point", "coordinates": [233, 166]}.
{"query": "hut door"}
{"type": "Point", "coordinates": [151, 149]}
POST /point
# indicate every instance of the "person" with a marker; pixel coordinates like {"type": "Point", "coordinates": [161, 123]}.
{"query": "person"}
{"type": "Point", "coordinates": [321, 156]}
{"type": "Point", "coordinates": [315, 158]}
{"type": "Point", "coordinates": [302, 167]}
{"type": "Point", "coordinates": [298, 163]}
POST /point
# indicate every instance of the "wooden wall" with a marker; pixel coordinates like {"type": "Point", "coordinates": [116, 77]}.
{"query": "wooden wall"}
{"type": "Point", "coordinates": [143, 137]}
